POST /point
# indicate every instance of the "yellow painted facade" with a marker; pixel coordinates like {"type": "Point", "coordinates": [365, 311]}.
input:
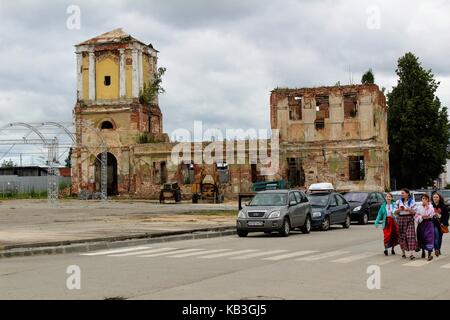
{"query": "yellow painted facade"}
{"type": "Point", "coordinates": [107, 66]}
{"type": "Point", "coordinates": [146, 67]}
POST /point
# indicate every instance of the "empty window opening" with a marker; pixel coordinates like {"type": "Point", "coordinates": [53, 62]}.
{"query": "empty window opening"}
{"type": "Point", "coordinates": [296, 175]}
{"type": "Point", "coordinates": [356, 168]}
{"type": "Point", "coordinates": [322, 111]}
{"type": "Point", "coordinates": [107, 125]}
{"type": "Point", "coordinates": [107, 80]}
{"type": "Point", "coordinates": [223, 172]}
{"type": "Point", "coordinates": [350, 105]}
{"type": "Point", "coordinates": [188, 173]}
{"type": "Point", "coordinates": [295, 108]}
{"type": "Point", "coordinates": [256, 177]}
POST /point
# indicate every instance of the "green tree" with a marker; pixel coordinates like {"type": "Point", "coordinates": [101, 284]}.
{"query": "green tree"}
{"type": "Point", "coordinates": [418, 126]}
{"type": "Point", "coordinates": [368, 77]}
{"type": "Point", "coordinates": [8, 164]}
{"type": "Point", "coordinates": [152, 88]}
{"type": "Point", "coordinates": [69, 159]}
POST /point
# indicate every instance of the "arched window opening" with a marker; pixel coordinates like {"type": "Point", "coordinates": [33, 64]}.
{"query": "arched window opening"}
{"type": "Point", "coordinates": [107, 125]}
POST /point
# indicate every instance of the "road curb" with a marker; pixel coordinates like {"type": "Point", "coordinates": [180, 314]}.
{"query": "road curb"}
{"type": "Point", "coordinates": [112, 242]}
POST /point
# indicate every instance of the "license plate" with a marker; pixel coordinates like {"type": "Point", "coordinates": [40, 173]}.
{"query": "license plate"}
{"type": "Point", "coordinates": [255, 223]}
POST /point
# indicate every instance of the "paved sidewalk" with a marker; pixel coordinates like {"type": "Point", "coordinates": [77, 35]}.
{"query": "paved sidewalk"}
{"type": "Point", "coordinates": [27, 222]}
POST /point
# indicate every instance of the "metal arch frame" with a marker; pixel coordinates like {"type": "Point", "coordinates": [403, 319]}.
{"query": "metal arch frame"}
{"type": "Point", "coordinates": [23, 124]}
{"type": "Point", "coordinates": [52, 147]}
{"type": "Point", "coordinates": [56, 124]}
{"type": "Point", "coordinates": [52, 173]}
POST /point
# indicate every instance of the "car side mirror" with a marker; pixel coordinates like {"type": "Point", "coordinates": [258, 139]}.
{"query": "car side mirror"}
{"type": "Point", "coordinates": [292, 203]}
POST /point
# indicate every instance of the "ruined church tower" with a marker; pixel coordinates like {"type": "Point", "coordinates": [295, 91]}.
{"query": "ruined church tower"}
{"type": "Point", "coordinates": [112, 69]}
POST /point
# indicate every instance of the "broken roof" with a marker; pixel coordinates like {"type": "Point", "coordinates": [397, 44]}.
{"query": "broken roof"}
{"type": "Point", "coordinates": [113, 36]}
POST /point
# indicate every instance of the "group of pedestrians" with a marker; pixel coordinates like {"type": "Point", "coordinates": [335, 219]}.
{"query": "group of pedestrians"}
{"type": "Point", "coordinates": [400, 218]}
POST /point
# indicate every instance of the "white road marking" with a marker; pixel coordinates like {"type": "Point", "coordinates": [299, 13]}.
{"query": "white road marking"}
{"type": "Point", "coordinates": [355, 257]}
{"type": "Point", "coordinates": [417, 263]}
{"type": "Point", "coordinates": [258, 254]}
{"type": "Point", "coordinates": [198, 253]}
{"type": "Point", "coordinates": [170, 252]}
{"type": "Point", "coordinates": [289, 255]}
{"type": "Point", "coordinates": [445, 266]}
{"type": "Point", "coordinates": [226, 254]}
{"type": "Point", "coordinates": [105, 252]}
{"type": "Point", "coordinates": [142, 252]}
{"type": "Point", "coordinates": [382, 262]}
{"type": "Point", "coordinates": [323, 256]}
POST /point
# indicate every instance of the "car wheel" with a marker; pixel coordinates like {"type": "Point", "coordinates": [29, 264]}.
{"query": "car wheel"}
{"type": "Point", "coordinates": [242, 233]}
{"type": "Point", "coordinates": [347, 222]}
{"type": "Point", "coordinates": [326, 224]}
{"type": "Point", "coordinates": [307, 226]}
{"type": "Point", "coordinates": [286, 228]}
{"type": "Point", "coordinates": [364, 219]}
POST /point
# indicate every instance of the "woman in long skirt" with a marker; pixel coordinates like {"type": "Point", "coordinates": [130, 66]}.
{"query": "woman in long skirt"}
{"type": "Point", "coordinates": [390, 227]}
{"type": "Point", "coordinates": [440, 218]}
{"type": "Point", "coordinates": [405, 209]}
{"type": "Point", "coordinates": [425, 229]}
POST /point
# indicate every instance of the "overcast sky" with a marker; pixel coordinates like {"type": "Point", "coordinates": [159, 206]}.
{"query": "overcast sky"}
{"type": "Point", "coordinates": [222, 57]}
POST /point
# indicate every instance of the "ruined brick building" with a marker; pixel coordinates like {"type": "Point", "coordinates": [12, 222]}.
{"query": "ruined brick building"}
{"type": "Point", "coordinates": [335, 134]}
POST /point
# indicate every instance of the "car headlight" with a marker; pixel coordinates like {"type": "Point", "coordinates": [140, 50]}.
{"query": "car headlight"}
{"type": "Point", "coordinates": [275, 214]}
{"type": "Point", "coordinates": [317, 214]}
{"type": "Point", "coordinates": [357, 208]}
{"type": "Point", "coordinates": [241, 214]}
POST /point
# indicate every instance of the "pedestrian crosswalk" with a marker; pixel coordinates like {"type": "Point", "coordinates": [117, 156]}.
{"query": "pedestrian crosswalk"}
{"type": "Point", "coordinates": [271, 255]}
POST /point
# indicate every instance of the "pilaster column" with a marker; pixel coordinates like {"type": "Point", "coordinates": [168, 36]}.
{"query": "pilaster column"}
{"type": "Point", "coordinates": [91, 75]}
{"type": "Point", "coordinates": [122, 74]}
{"type": "Point", "coordinates": [141, 73]}
{"type": "Point", "coordinates": [135, 77]}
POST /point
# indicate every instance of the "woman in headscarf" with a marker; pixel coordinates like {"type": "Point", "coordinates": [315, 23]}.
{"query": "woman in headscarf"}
{"type": "Point", "coordinates": [440, 218]}
{"type": "Point", "coordinates": [425, 229]}
{"type": "Point", "coordinates": [405, 209]}
{"type": "Point", "coordinates": [390, 227]}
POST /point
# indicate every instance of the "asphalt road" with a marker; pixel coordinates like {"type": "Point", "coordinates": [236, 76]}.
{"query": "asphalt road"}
{"type": "Point", "coordinates": [320, 265]}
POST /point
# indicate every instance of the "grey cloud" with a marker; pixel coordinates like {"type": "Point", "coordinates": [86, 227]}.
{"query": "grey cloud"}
{"type": "Point", "coordinates": [222, 57]}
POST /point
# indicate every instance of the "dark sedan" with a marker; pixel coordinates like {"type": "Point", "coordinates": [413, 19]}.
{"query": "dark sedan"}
{"type": "Point", "coordinates": [364, 205]}
{"type": "Point", "coordinates": [329, 208]}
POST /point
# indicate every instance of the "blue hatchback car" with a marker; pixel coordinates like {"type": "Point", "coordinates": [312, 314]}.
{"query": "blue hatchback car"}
{"type": "Point", "coordinates": [329, 208]}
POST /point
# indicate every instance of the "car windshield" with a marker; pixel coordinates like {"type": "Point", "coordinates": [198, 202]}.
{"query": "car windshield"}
{"type": "Point", "coordinates": [445, 193]}
{"type": "Point", "coordinates": [318, 200]}
{"type": "Point", "coordinates": [356, 196]}
{"type": "Point", "coordinates": [396, 197]}
{"type": "Point", "coordinates": [269, 199]}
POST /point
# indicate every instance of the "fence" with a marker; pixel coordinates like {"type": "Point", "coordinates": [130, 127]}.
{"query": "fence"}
{"type": "Point", "coordinates": [14, 185]}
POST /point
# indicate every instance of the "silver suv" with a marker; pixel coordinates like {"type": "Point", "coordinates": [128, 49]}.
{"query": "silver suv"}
{"type": "Point", "coordinates": [275, 210]}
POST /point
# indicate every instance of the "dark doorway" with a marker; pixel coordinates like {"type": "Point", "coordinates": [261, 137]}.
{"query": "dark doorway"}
{"type": "Point", "coordinates": [111, 174]}
{"type": "Point", "coordinates": [296, 175]}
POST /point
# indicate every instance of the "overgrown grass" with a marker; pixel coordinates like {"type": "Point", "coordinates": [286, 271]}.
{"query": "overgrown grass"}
{"type": "Point", "coordinates": [32, 195]}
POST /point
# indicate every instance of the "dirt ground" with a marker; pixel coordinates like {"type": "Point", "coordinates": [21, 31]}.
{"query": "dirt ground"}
{"type": "Point", "coordinates": [31, 221]}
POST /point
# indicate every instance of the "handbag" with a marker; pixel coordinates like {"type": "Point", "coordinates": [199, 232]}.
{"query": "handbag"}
{"type": "Point", "coordinates": [444, 229]}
